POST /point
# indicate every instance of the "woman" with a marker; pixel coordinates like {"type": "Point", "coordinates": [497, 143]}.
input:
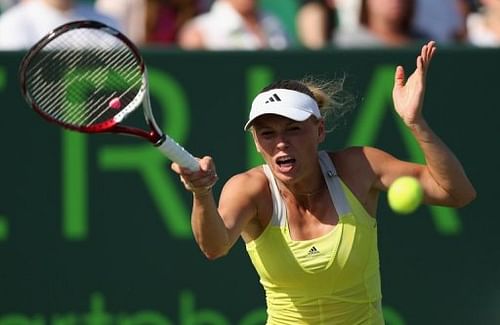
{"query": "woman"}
{"type": "Point", "coordinates": [152, 22]}
{"type": "Point", "coordinates": [308, 217]}
{"type": "Point", "coordinates": [315, 21]}
{"type": "Point", "coordinates": [483, 26]}
{"type": "Point", "coordinates": [234, 25]}
{"type": "Point", "coordinates": [381, 23]}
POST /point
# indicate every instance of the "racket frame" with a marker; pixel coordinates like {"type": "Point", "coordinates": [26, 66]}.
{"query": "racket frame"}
{"type": "Point", "coordinates": [154, 135]}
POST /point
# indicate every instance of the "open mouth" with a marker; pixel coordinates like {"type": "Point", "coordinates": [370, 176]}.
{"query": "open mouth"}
{"type": "Point", "coordinates": [285, 163]}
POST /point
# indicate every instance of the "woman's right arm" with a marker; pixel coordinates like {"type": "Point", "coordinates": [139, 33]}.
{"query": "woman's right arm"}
{"type": "Point", "coordinates": [216, 228]}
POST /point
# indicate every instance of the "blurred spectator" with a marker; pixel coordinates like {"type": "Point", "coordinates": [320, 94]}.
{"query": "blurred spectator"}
{"type": "Point", "coordinates": [465, 7]}
{"type": "Point", "coordinates": [483, 27]}
{"type": "Point", "coordinates": [23, 24]}
{"type": "Point", "coordinates": [232, 25]}
{"type": "Point", "coordinates": [442, 20]}
{"type": "Point", "coordinates": [316, 21]}
{"type": "Point", "coordinates": [152, 22]}
{"type": "Point", "coordinates": [6, 4]}
{"type": "Point", "coordinates": [382, 23]}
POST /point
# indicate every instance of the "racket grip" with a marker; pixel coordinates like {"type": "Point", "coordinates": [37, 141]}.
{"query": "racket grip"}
{"type": "Point", "coordinates": [178, 154]}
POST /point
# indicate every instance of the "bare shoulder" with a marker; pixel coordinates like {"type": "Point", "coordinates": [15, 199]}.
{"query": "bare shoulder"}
{"type": "Point", "coordinates": [246, 199]}
{"type": "Point", "coordinates": [250, 182]}
{"type": "Point", "coordinates": [352, 159]}
{"type": "Point", "coordinates": [357, 167]}
{"type": "Point", "coordinates": [376, 166]}
{"type": "Point", "coordinates": [245, 192]}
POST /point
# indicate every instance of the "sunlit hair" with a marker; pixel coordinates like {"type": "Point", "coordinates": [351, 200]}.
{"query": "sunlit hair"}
{"type": "Point", "coordinates": [333, 101]}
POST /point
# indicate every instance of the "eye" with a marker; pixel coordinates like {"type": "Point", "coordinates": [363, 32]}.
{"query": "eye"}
{"type": "Point", "coordinates": [294, 128]}
{"type": "Point", "coordinates": [266, 133]}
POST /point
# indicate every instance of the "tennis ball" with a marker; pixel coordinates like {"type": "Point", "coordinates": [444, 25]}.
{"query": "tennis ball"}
{"type": "Point", "coordinates": [405, 195]}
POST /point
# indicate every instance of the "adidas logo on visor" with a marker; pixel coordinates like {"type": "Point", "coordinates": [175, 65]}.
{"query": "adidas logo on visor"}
{"type": "Point", "coordinates": [273, 98]}
{"type": "Point", "coordinates": [288, 103]}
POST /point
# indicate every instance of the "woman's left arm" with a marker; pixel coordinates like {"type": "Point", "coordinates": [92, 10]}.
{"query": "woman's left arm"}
{"type": "Point", "coordinates": [443, 177]}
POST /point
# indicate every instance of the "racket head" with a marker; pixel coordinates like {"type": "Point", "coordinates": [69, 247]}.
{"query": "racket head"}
{"type": "Point", "coordinates": [86, 76]}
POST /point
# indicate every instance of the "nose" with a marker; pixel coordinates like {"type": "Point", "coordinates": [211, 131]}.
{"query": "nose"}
{"type": "Point", "coordinates": [282, 142]}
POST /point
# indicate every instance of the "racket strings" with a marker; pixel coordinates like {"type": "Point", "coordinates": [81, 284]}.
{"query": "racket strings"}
{"type": "Point", "coordinates": [98, 76]}
{"type": "Point", "coordinates": [76, 75]}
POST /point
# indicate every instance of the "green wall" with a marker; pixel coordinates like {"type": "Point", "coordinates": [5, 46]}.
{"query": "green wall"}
{"type": "Point", "coordinates": [96, 229]}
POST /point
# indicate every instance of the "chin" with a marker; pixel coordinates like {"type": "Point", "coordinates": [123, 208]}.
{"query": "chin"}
{"type": "Point", "coordinates": [286, 176]}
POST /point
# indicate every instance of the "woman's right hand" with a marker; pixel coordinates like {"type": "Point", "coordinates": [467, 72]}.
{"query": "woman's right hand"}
{"type": "Point", "coordinates": [201, 181]}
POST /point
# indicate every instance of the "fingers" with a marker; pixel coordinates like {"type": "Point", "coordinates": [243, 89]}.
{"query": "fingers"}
{"type": "Point", "coordinates": [399, 76]}
{"type": "Point", "coordinates": [198, 181]}
{"type": "Point", "coordinates": [426, 54]}
{"type": "Point", "coordinates": [420, 63]}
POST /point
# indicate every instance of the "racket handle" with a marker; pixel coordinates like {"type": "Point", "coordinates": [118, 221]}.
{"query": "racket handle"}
{"type": "Point", "coordinates": [178, 154]}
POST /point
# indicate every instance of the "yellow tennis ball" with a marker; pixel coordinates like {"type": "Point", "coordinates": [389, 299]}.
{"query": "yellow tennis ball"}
{"type": "Point", "coordinates": [405, 195]}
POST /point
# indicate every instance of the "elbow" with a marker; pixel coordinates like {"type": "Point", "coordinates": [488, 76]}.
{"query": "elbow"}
{"type": "Point", "coordinates": [471, 197]}
{"type": "Point", "coordinates": [212, 250]}
{"type": "Point", "coordinates": [213, 247]}
{"type": "Point", "coordinates": [465, 198]}
{"type": "Point", "coordinates": [213, 255]}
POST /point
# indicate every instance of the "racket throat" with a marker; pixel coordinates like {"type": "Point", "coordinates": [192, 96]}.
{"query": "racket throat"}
{"type": "Point", "coordinates": [160, 139]}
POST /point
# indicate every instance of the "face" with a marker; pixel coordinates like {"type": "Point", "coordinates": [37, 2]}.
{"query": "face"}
{"type": "Point", "coordinates": [61, 4]}
{"type": "Point", "coordinates": [392, 10]}
{"type": "Point", "coordinates": [491, 4]}
{"type": "Point", "coordinates": [244, 6]}
{"type": "Point", "coordinates": [288, 147]}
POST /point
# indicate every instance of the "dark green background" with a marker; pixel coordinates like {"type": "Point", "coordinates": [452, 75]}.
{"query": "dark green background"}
{"type": "Point", "coordinates": [130, 265]}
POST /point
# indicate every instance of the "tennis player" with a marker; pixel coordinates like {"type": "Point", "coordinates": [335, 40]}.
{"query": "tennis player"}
{"type": "Point", "coordinates": [308, 216]}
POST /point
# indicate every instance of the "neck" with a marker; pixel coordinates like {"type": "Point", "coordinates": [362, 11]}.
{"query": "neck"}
{"type": "Point", "coordinates": [389, 32]}
{"type": "Point", "coordinates": [301, 199]}
{"type": "Point", "coordinates": [60, 5]}
{"type": "Point", "coordinates": [310, 193]}
{"type": "Point", "coordinates": [311, 186]}
{"type": "Point", "coordinates": [250, 18]}
{"type": "Point", "coordinates": [492, 19]}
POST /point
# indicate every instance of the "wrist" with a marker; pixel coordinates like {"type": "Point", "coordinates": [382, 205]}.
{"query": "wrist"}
{"type": "Point", "coordinates": [422, 132]}
{"type": "Point", "coordinates": [202, 192]}
{"type": "Point", "coordinates": [418, 125]}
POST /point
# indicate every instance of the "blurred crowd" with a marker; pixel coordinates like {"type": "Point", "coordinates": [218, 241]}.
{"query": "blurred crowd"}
{"type": "Point", "coordinates": [249, 25]}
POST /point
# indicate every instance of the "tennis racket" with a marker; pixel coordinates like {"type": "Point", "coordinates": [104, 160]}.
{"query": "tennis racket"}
{"type": "Point", "coordinates": [88, 77]}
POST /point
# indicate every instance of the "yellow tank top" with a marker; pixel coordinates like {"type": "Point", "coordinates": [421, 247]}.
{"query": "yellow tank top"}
{"type": "Point", "coordinates": [333, 279]}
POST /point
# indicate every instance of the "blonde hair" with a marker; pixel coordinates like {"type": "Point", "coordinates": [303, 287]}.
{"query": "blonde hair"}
{"type": "Point", "coordinates": [333, 100]}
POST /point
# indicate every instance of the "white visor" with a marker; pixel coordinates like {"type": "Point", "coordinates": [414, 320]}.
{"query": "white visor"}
{"type": "Point", "coordinates": [288, 103]}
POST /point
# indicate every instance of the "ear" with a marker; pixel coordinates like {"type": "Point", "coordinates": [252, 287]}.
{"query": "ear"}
{"type": "Point", "coordinates": [321, 131]}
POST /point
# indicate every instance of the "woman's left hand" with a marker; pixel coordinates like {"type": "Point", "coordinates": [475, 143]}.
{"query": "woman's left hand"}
{"type": "Point", "coordinates": [408, 96]}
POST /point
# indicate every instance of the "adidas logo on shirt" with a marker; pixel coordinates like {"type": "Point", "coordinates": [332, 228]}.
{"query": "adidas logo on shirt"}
{"type": "Point", "coordinates": [313, 251]}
